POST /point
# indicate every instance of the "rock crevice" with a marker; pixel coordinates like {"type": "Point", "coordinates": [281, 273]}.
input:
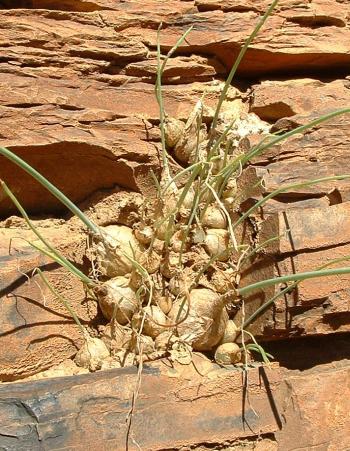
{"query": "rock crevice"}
{"type": "Point", "coordinates": [77, 102]}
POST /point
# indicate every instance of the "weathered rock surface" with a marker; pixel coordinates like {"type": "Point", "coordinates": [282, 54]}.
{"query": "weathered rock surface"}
{"type": "Point", "coordinates": [84, 91]}
{"type": "Point", "coordinates": [82, 95]}
{"type": "Point", "coordinates": [309, 239]}
{"type": "Point", "coordinates": [36, 331]}
{"type": "Point", "coordinates": [175, 413]}
{"type": "Point", "coordinates": [77, 101]}
{"type": "Point", "coordinates": [321, 152]}
{"type": "Point", "coordinates": [84, 136]}
{"type": "Point", "coordinates": [77, 78]}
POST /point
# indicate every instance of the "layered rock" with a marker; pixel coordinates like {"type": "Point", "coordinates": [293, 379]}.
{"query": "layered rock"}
{"type": "Point", "coordinates": [200, 413]}
{"type": "Point", "coordinates": [77, 101]}
{"type": "Point", "coordinates": [36, 330]}
{"type": "Point", "coordinates": [309, 239]}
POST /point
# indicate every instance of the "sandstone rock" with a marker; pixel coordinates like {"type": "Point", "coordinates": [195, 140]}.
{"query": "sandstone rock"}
{"type": "Point", "coordinates": [74, 93]}
{"type": "Point", "coordinates": [77, 101]}
{"type": "Point", "coordinates": [36, 331]}
{"type": "Point", "coordinates": [66, 368]}
{"type": "Point", "coordinates": [98, 153]}
{"type": "Point", "coordinates": [316, 237]}
{"type": "Point", "coordinates": [180, 69]}
{"type": "Point", "coordinates": [274, 100]}
{"type": "Point", "coordinates": [281, 413]}
{"type": "Point", "coordinates": [316, 306]}
{"type": "Point", "coordinates": [321, 152]}
{"type": "Point", "coordinates": [310, 229]}
{"type": "Point", "coordinates": [319, 31]}
{"type": "Point", "coordinates": [100, 147]}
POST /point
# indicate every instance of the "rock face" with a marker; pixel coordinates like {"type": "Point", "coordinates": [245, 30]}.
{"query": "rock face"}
{"type": "Point", "coordinates": [90, 410]}
{"type": "Point", "coordinates": [36, 330]}
{"type": "Point", "coordinates": [77, 102]}
{"type": "Point", "coordinates": [309, 239]}
{"type": "Point", "coordinates": [77, 79]}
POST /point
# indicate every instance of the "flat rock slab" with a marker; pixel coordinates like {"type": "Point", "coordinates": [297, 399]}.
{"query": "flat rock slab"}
{"type": "Point", "coordinates": [219, 29]}
{"type": "Point", "coordinates": [171, 413]}
{"type": "Point", "coordinates": [36, 331]}
{"type": "Point", "coordinates": [308, 239]}
{"type": "Point", "coordinates": [321, 152]}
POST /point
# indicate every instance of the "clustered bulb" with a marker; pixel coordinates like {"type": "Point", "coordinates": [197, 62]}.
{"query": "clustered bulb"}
{"type": "Point", "coordinates": [167, 281]}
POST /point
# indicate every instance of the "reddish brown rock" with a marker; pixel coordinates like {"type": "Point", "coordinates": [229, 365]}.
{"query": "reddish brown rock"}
{"type": "Point", "coordinates": [95, 154]}
{"type": "Point", "coordinates": [311, 229]}
{"type": "Point", "coordinates": [77, 100]}
{"type": "Point", "coordinates": [179, 70]}
{"type": "Point", "coordinates": [320, 35]}
{"type": "Point", "coordinates": [76, 92]}
{"type": "Point", "coordinates": [36, 331]}
{"type": "Point", "coordinates": [285, 409]}
{"type": "Point", "coordinates": [87, 129]}
{"type": "Point", "coordinates": [274, 100]}
{"type": "Point", "coordinates": [315, 238]}
{"type": "Point", "coordinates": [320, 152]}
{"type": "Point", "coordinates": [232, 5]}
{"type": "Point", "coordinates": [88, 42]}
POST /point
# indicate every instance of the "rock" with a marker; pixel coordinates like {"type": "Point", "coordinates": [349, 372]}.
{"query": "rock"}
{"type": "Point", "coordinates": [101, 144]}
{"type": "Point", "coordinates": [36, 331]}
{"type": "Point", "coordinates": [309, 157]}
{"type": "Point", "coordinates": [95, 155]}
{"type": "Point", "coordinates": [180, 69]}
{"type": "Point", "coordinates": [77, 101]}
{"type": "Point", "coordinates": [80, 410]}
{"type": "Point", "coordinates": [310, 229]}
{"type": "Point", "coordinates": [319, 29]}
{"type": "Point", "coordinates": [291, 104]}
{"type": "Point", "coordinates": [317, 306]}
{"type": "Point", "coordinates": [66, 368]}
{"type": "Point", "coordinates": [273, 100]}
{"type": "Point", "coordinates": [316, 237]}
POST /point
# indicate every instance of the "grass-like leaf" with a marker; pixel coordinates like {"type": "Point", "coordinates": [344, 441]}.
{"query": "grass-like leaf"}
{"type": "Point", "coordinates": [51, 251]}
{"type": "Point", "coordinates": [292, 277]}
{"type": "Point", "coordinates": [50, 187]}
